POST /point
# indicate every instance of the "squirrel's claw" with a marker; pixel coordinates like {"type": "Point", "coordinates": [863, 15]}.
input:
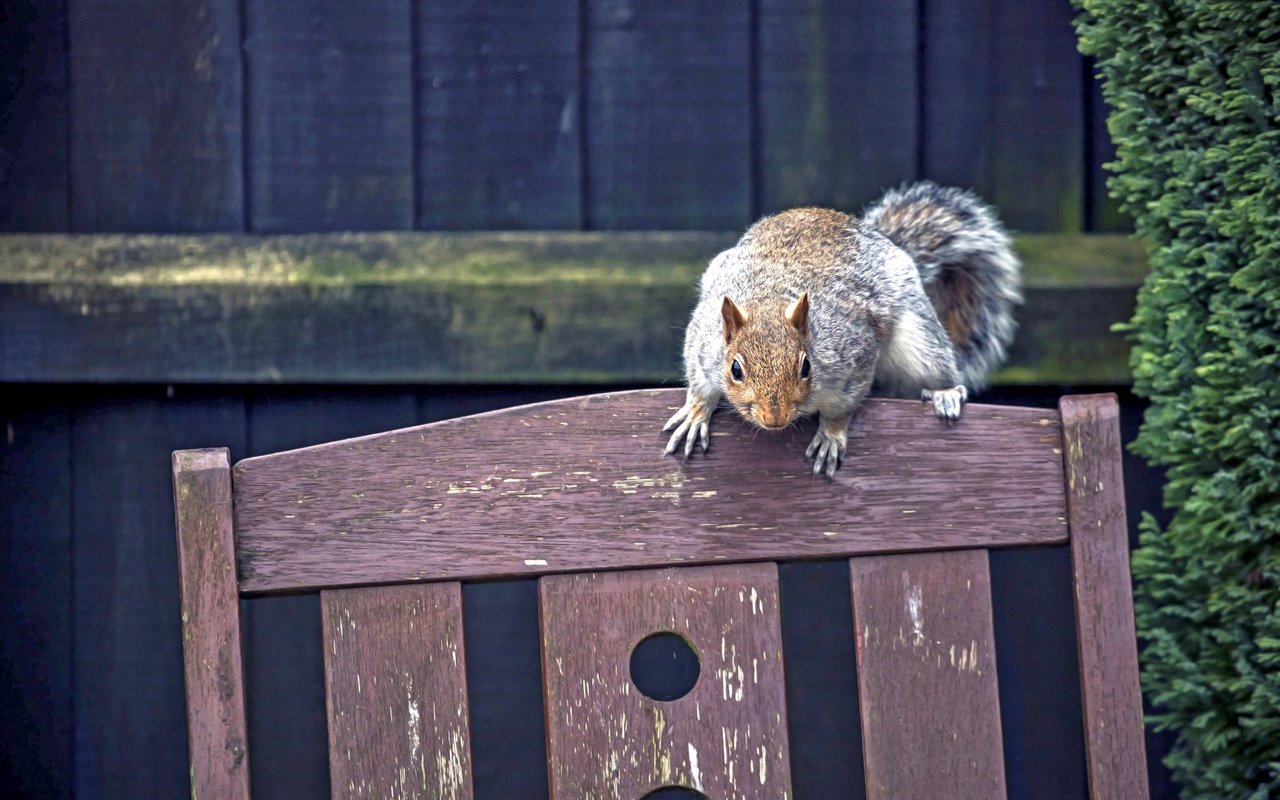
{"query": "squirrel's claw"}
{"type": "Point", "coordinates": [827, 452]}
{"type": "Point", "coordinates": [946, 402]}
{"type": "Point", "coordinates": [692, 424]}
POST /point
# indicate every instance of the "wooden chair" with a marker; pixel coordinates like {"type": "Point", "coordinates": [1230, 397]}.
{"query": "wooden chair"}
{"type": "Point", "coordinates": [630, 542]}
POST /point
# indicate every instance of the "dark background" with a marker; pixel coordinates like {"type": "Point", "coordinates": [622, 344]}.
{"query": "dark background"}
{"type": "Point", "coordinates": [283, 116]}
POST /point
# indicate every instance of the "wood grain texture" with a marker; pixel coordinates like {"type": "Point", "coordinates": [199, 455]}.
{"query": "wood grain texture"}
{"type": "Point", "coordinates": [130, 725]}
{"type": "Point", "coordinates": [668, 122]}
{"type": "Point", "coordinates": [458, 308]}
{"type": "Point", "coordinates": [1112, 697]}
{"type": "Point", "coordinates": [156, 116]}
{"type": "Point", "coordinates": [1003, 108]}
{"type": "Point", "coordinates": [284, 635]}
{"type": "Point", "coordinates": [927, 675]}
{"type": "Point", "coordinates": [36, 699]}
{"type": "Point", "coordinates": [726, 737]}
{"type": "Point", "coordinates": [34, 192]}
{"type": "Point", "coordinates": [498, 142]}
{"type": "Point", "coordinates": [331, 115]}
{"type": "Point", "coordinates": [216, 729]}
{"type": "Point", "coordinates": [396, 691]}
{"type": "Point", "coordinates": [829, 135]}
{"type": "Point", "coordinates": [490, 495]}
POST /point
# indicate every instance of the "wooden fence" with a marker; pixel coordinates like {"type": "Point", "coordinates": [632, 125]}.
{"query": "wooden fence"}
{"type": "Point", "coordinates": [278, 116]}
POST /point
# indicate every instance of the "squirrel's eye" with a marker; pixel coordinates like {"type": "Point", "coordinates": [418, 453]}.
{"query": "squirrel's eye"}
{"type": "Point", "coordinates": [804, 366]}
{"type": "Point", "coordinates": [736, 371]}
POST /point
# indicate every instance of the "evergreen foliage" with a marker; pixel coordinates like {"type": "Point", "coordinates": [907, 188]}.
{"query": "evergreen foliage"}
{"type": "Point", "coordinates": [1195, 88]}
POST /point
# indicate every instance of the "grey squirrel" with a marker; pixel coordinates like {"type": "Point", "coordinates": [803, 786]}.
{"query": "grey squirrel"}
{"type": "Point", "coordinates": [812, 307]}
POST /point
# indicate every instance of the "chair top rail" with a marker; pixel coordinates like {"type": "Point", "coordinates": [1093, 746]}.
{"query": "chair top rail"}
{"type": "Point", "coordinates": [582, 484]}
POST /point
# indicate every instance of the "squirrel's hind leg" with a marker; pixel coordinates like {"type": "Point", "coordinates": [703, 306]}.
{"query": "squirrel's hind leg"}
{"type": "Point", "coordinates": [692, 423]}
{"type": "Point", "coordinates": [827, 447]}
{"type": "Point", "coordinates": [946, 402]}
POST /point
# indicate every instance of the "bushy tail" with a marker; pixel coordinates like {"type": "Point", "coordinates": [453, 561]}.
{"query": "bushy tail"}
{"type": "Point", "coordinates": [966, 262]}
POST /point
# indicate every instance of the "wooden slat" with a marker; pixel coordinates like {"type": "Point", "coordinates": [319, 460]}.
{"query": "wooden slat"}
{"type": "Point", "coordinates": [396, 685]}
{"type": "Point", "coordinates": [490, 495]}
{"type": "Point", "coordinates": [33, 133]}
{"type": "Point", "coordinates": [330, 115]}
{"type": "Point", "coordinates": [156, 132]}
{"type": "Point", "coordinates": [284, 634]}
{"type": "Point", "coordinates": [1104, 597]}
{"type": "Point", "coordinates": [498, 115]}
{"type": "Point", "coordinates": [668, 121]}
{"type": "Point", "coordinates": [927, 675]}
{"type": "Point", "coordinates": [210, 624]}
{"type": "Point", "coordinates": [1003, 108]}
{"type": "Point", "coordinates": [460, 308]}
{"type": "Point", "coordinates": [725, 738]}
{"type": "Point", "coordinates": [36, 707]}
{"type": "Point", "coordinates": [829, 136]}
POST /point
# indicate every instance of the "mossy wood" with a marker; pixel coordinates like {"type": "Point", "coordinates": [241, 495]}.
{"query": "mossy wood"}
{"type": "Point", "coordinates": [450, 499]}
{"type": "Point", "coordinates": [451, 308]}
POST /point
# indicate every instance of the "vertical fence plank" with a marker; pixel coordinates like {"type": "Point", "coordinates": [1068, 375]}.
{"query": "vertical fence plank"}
{"type": "Point", "coordinates": [155, 116]}
{"type": "Point", "coordinates": [33, 115]}
{"type": "Point", "coordinates": [927, 675]}
{"type": "Point", "coordinates": [396, 686]}
{"type": "Point", "coordinates": [1105, 630]}
{"type": "Point", "coordinates": [726, 738]}
{"type": "Point", "coordinates": [35, 594]}
{"type": "Point", "coordinates": [668, 120]}
{"type": "Point", "coordinates": [838, 88]}
{"type": "Point", "coordinates": [498, 105]}
{"type": "Point", "coordinates": [284, 661]}
{"type": "Point", "coordinates": [330, 115]}
{"type": "Point", "coordinates": [130, 729]}
{"type": "Point", "coordinates": [210, 624]}
{"type": "Point", "coordinates": [1004, 107]}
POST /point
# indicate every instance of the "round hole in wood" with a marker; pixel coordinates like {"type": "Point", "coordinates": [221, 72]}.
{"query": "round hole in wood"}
{"type": "Point", "coordinates": [664, 666]}
{"type": "Point", "coordinates": [675, 793]}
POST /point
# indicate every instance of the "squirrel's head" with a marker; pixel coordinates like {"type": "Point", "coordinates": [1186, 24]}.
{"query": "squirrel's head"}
{"type": "Point", "coordinates": [766, 366]}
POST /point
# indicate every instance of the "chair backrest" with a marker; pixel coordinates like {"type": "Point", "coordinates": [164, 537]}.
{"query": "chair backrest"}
{"type": "Point", "coordinates": [629, 543]}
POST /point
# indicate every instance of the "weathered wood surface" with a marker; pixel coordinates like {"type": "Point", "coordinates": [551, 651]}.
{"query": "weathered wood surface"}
{"type": "Point", "coordinates": [927, 675]}
{"type": "Point", "coordinates": [396, 688]}
{"type": "Point", "coordinates": [829, 135]}
{"type": "Point", "coordinates": [498, 115]}
{"type": "Point", "coordinates": [1003, 108]}
{"type": "Point", "coordinates": [1104, 597]}
{"type": "Point", "coordinates": [156, 128]}
{"type": "Point", "coordinates": [582, 484]}
{"type": "Point", "coordinates": [216, 729]}
{"type": "Point", "coordinates": [726, 738]}
{"type": "Point", "coordinates": [34, 110]}
{"type": "Point", "coordinates": [330, 88]}
{"type": "Point", "coordinates": [452, 308]}
{"type": "Point", "coordinates": [36, 593]}
{"type": "Point", "coordinates": [668, 114]}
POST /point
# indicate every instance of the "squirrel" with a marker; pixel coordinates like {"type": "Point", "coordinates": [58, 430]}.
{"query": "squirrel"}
{"type": "Point", "coordinates": [812, 308]}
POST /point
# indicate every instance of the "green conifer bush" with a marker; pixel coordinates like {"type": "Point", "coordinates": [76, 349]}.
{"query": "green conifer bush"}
{"type": "Point", "coordinates": [1195, 93]}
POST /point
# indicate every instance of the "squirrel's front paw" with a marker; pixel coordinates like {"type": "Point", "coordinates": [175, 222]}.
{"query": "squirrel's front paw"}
{"type": "Point", "coordinates": [827, 447]}
{"type": "Point", "coordinates": [692, 423]}
{"type": "Point", "coordinates": [946, 402]}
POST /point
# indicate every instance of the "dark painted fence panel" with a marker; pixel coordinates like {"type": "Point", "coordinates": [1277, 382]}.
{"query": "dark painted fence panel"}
{"type": "Point", "coordinates": [156, 116]}
{"type": "Point", "coordinates": [668, 120]}
{"type": "Point", "coordinates": [33, 115]}
{"type": "Point", "coordinates": [498, 115]}
{"type": "Point", "coordinates": [838, 101]}
{"type": "Point", "coordinates": [130, 718]}
{"type": "Point", "coordinates": [1004, 107]}
{"type": "Point", "coordinates": [330, 89]}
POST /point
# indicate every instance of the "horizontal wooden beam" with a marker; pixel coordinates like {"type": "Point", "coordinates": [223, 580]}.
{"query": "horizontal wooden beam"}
{"type": "Point", "coordinates": [451, 307]}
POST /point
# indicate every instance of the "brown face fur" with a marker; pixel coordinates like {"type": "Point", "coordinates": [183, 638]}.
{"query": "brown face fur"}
{"type": "Point", "coordinates": [770, 345]}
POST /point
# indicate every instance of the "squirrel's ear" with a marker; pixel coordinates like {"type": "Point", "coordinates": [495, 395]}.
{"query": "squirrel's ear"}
{"type": "Point", "coordinates": [798, 313]}
{"type": "Point", "coordinates": [733, 319]}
